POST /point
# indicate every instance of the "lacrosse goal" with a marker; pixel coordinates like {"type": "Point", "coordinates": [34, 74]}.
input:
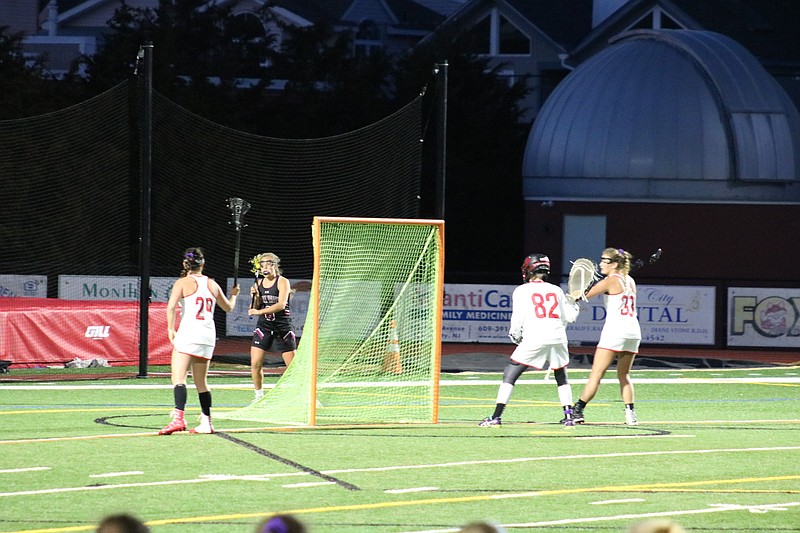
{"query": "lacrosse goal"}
{"type": "Point", "coordinates": [371, 346]}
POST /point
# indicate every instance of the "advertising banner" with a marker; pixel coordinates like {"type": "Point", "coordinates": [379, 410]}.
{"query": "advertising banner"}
{"type": "Point", "coordinates": [668, 314]}
{"type": "Point", "coordinates": [27, 286]}
{"type": "Point", "coordinates": [764, 317]}
{"type": "Point", "coordinates": [111, 288]}
{"type": "Point", "coordinates": [476, 313]}
{"type": "Point", "coordinates": [46, 331]}
{"type": "Point", "coordinates": [239, 324]}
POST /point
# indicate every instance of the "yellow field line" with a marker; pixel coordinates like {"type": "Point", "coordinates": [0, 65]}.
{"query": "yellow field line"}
{"type": "Point", "coordinates": [438, 501]}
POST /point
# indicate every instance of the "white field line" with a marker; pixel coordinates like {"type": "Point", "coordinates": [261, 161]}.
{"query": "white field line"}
{"type": "Point", "coordinates": [31, 469]}
{"type": "Point", "coordinates": [208, 478]}
{"type": "Point", "coordinates": [443, 383]}
{"type": "Point", "coordinates": [118, 474]}
{"type": "Point", "coordinates": [718, 508]}
{"type": "Point", "coordinates": [413, 489]}
{"type": "Point", "coordinates": [610, 502]}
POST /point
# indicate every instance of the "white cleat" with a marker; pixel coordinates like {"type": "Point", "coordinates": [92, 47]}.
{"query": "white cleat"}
{"type": "Point", "coordinates": [630, 417]}
{"type": "Point", "coordinates": [205, 427]}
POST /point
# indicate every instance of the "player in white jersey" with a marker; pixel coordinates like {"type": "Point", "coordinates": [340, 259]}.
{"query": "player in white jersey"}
{"type": "Point", "coordinates": [621, 333]}
{"type": "Point", "coordinates": [539, 316]}
{"type": "Point", "coordinates": [193, 342]}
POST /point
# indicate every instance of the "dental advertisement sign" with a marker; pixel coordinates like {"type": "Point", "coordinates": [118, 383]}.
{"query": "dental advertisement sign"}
{"type": "Point", "coordinates": [764, 317]}
{"type": "Point", "coordinates": [667, 315]}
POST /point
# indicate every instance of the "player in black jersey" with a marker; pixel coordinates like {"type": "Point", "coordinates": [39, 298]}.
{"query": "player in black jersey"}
{"type": "Point", "coordinates": [270, 303]}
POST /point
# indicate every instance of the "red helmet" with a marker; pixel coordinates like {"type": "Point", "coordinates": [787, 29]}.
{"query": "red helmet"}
{"type": "Point", "coordinates": [534, 264]}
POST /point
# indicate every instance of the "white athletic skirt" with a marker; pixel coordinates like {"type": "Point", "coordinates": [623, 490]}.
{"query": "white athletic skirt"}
{"type": "Point", "coordinates": [198, 350]}
{"type": "Point", "coordinates": [619, 345]}
{"type": "Point", "coordinates": [536, 355]}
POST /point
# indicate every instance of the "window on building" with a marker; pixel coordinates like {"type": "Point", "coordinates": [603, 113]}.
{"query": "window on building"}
{"type": "Point", "coordinates": [495, 35]}
{"type": "Point", "coordinates": [512, 41]}
{"type": "Point", "coordinates": [478, 38]}
{"type": "Point", "coordinates": [656, 19]}
{"type": "Point", "coordinates": [367, 40]}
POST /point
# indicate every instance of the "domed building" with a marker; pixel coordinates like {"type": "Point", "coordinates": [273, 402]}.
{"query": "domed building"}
{"type": "Point", "coordinates": [669, 115]}
{"type": "Point", "coordinates": [676, 139]}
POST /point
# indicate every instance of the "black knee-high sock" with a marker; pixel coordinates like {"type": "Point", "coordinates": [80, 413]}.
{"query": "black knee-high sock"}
{"type": "Point", "coordinates": [205, 402]}
{"type": "Point", "coordinates": [498, 410]}
{"type": "Point", "coordinates": [179, 392]}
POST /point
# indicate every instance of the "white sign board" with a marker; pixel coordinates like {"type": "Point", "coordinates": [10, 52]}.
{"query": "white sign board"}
{"type": "Point", "coordinates": [476, 313]}
{"type": "Point", "coordinates": [16, 286]}
{"type": "Point", "coordinates": [767, 317]}
{"type": "Point", "coordinates": [111, 288]}
{"type": "Point", "coordinates": [239, 324]}
{"type": "Point", "coordinates": [668, 314]}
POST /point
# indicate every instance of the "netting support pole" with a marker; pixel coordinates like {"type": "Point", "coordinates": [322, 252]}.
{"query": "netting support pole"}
{"type": "Point", "coordinates": [147, 175]}
{"type": "Point", "coordinates": [440, 70]}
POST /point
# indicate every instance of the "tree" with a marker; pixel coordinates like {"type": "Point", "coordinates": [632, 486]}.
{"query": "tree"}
{"type": "Point", "coordinates": [205, 58]}
{"type": "Point", "coordinates": [485, 146]}
{"type": "Point", "coordinates": [25, 88]}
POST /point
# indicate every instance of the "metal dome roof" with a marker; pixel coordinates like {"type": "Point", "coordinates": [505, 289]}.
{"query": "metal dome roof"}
{"type": "Point", "coordinates": [666, 114]}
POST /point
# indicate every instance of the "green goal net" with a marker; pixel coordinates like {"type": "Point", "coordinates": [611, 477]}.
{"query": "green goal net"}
{"type": "Point", "coordinates": [371, 345]}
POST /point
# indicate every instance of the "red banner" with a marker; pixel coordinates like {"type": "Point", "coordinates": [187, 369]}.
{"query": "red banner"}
{"type": "Point", "coordinates": [47, 331]}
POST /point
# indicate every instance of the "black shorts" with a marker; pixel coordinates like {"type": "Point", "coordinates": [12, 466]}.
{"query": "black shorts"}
{"type": "Point", "coordinates": [273, 341]}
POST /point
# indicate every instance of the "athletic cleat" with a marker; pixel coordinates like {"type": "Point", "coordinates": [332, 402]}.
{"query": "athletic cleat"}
{"type": "Point", "coordinates": [205, 427]}
{"type": "Point", "coordinates": [489, 421]}
{"type": "Point", "coordinates": [259, 394]}
{"type": "Point", "coordinates": [577, 415]}
{"type": "Point", "coordinates": [567, 421]}
{"type": "Point", "coordinates": [630, 417]}
{"type": "Point", "coordinates": [177, 424]}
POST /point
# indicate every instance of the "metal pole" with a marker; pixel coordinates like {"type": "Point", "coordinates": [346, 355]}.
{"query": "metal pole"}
{"type": "Point", "coordinates": [147, 176]}
{"type": "Point", "coordinates": [441, 134]}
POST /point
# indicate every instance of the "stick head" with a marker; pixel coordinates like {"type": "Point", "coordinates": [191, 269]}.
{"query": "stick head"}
{"type": "Point", "coordinates": [238, 208]}
{"type": "Point", "coordinates": [582, 275]}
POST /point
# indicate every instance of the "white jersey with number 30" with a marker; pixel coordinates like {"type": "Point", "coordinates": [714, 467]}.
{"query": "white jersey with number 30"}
{"type": "Point", "coordinates": [621, 319]}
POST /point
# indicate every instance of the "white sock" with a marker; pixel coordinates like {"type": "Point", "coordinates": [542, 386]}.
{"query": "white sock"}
{"type": "Point", "coordinates": [504, 394]}
{"type": "Point", "coordinates": [565, 394]}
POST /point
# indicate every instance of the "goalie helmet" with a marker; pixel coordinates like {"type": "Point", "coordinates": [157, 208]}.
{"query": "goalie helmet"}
{"type": "Point", "coordinates": [534, 264]}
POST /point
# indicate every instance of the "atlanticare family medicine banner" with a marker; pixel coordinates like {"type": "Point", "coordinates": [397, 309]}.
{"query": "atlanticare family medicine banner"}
{"type": "Point", "coordinates": [764, 317]}
{"type": "Point", "coordinates": [667, 314]}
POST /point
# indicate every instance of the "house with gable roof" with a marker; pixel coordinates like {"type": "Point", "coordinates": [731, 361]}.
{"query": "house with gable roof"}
{"type": "Point", "coordinates": [62, 30]}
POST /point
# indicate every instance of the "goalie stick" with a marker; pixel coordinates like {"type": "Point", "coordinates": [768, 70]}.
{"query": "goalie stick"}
{"type": "Point", "coordinates": [582, 276]}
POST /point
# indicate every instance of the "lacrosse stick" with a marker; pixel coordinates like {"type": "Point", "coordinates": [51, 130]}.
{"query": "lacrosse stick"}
{"type": "Point", "coordinates": [582, 275]}
{"type": "Point", "coordinates": [639, 263]}
{"type": "Point", "coordinates": [238, 208]}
